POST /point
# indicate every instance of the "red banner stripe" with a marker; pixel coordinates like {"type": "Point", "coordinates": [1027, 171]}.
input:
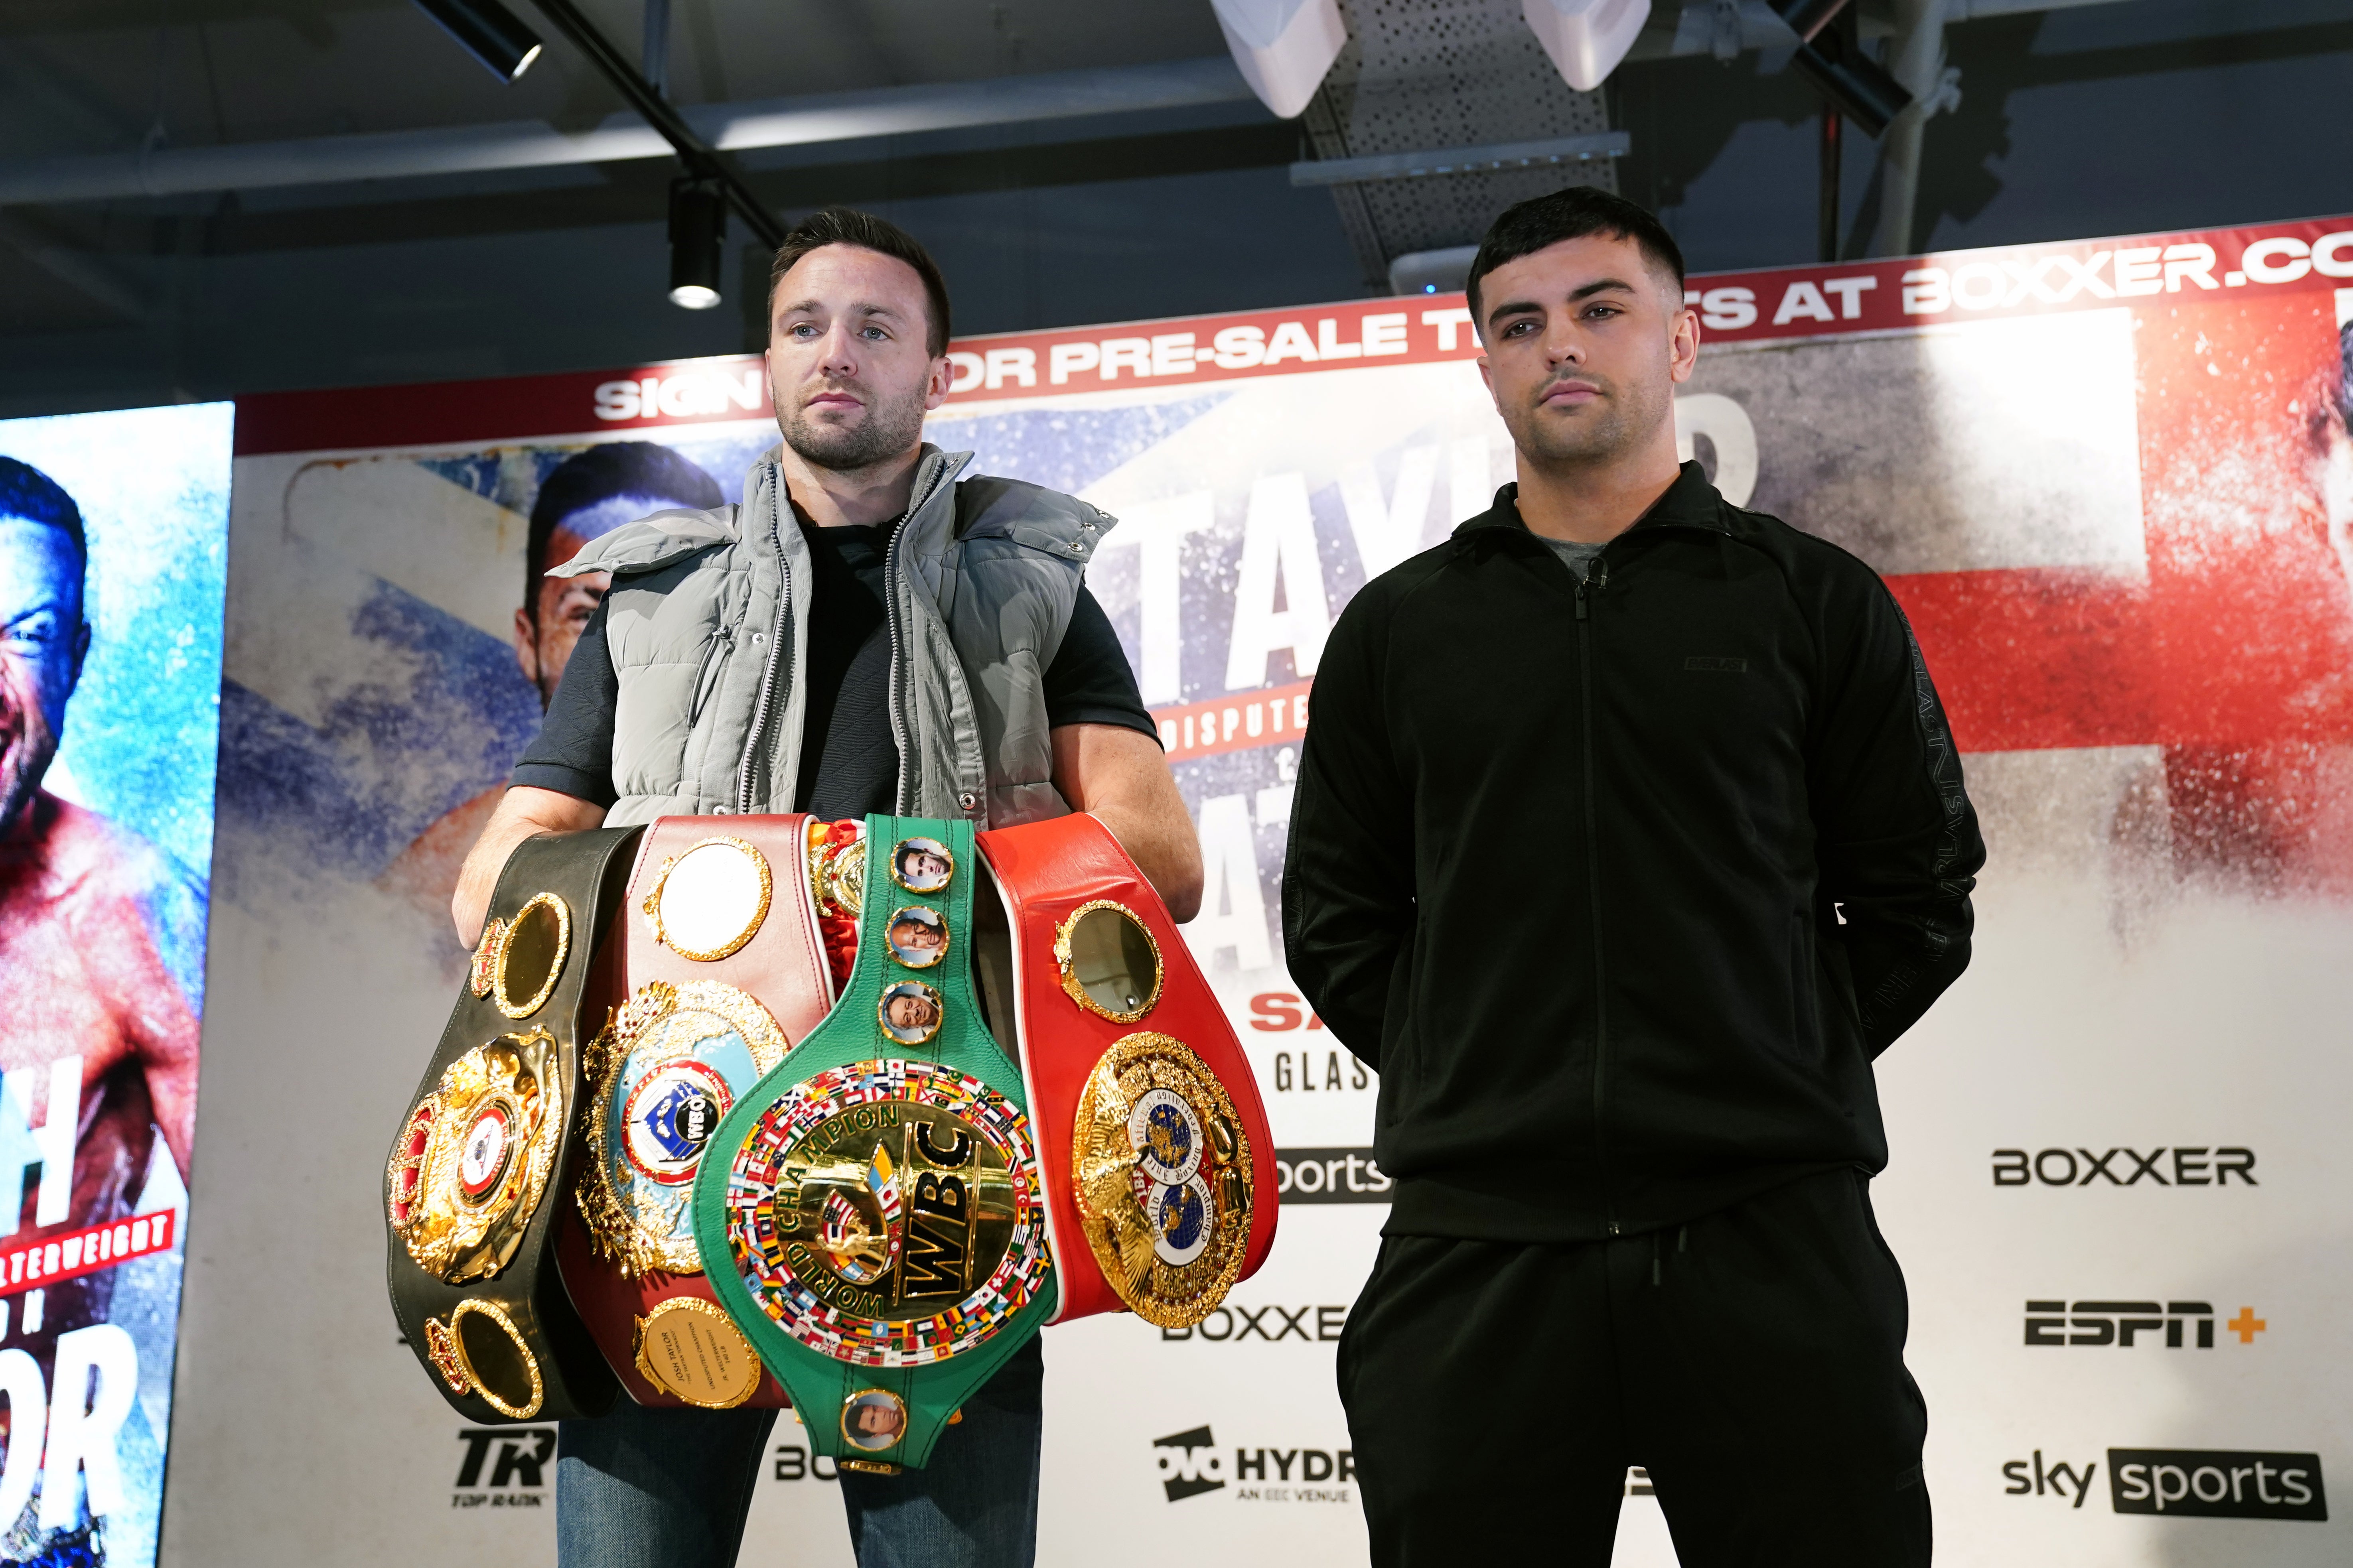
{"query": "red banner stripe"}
{"type": "Point", "coordinates": [34, 1265]}
{"type": "Point", "coordinates": [2264, 261]}
{"type": "Point", "coordinates": [1271, 717]}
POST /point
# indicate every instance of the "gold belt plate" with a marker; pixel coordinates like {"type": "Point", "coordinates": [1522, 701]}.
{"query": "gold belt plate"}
{"type": "Point", "coordinates": [643, 1220]}
{"type": "Point", "coordinates": [466, 1179]}
{"type": "Point", "coordinates": [1163, 1175]}
{"type": "Point", "coordinates": [691, 1348]}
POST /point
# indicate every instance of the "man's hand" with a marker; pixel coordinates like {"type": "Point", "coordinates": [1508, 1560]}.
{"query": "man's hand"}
{"type": "Point", "coordinates": [1118, 776]}
{"type": "Point", "coordinates": [524, 813]}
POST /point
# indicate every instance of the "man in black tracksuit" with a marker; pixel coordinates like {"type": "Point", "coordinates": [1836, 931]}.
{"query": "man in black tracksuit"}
{"type": "Point", "coordinates": [1628, 831]}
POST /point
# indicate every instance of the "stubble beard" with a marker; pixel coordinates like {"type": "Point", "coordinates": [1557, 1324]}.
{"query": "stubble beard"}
{"type": "Point", "coordinates": [1621, 421]}
{"type": "Point", "coordinates": [889, 428]}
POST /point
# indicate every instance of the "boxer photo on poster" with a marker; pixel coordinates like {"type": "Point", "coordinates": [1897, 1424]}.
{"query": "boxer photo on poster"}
{"type": "Point", "coordinates": [91, 916]}
{"type": "Point", "coordinates": [2335, 446]}
{"type": "Point", "coordinates": [584, 498]}
{"type": "Point", "coordinates": [102, 956]}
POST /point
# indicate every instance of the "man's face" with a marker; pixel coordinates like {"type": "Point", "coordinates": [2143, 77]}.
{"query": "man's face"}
{"type": "Point", "coordinates": [849, 363]}
{"type": "Point", "coordinates": [543, 642]}
{"type": "Point", "coordinates": [2337, 494]}
{"type": "Point", "coordinates": [1585, 342]}
{"type": "Point", "coordinates": [923, 869]}
{"type": "Point", "coordinates": [42, 641]}
{"type": "Point", "coordinates": [910, 1014]}
{"type": "Point", "coordinates": [914, 937]}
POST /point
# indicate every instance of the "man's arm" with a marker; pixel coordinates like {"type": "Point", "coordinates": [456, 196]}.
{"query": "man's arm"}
{"type": "Point", "coordinates": [1348, 874]}
{"type": "Point", "coordinates": [523, 814]}
{"type": "Point", "coordinates": [162, 1023]}
{"type": "Point", "coordinates": [136, 924]}
{"type": "Point", "coordinates": [1896, 836]}
{"type": "Point", "coordinates": [1118, 776]}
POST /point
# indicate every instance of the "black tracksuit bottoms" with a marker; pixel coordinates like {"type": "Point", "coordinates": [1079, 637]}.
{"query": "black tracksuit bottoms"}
{"type": "Point", "coordinates": [1751, 1361]}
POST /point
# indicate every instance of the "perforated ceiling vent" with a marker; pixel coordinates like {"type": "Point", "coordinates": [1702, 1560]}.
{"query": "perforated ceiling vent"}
{"type": "Point", "coordinates": [1424, 75]}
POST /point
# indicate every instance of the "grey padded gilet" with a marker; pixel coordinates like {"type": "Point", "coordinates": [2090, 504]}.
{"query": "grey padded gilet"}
{"type": "Point", "coordinates": [981, 579]}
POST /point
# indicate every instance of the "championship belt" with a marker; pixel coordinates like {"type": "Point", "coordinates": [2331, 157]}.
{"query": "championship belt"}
{"type": "Point", "coordinates": [871, 1214]}
{"type": "Point", "coordinates": [724, 970]}
{"type": "Point", "coordinates": [1159, 1169]}
{"type": "Point", "coordinates": [471, 1187]}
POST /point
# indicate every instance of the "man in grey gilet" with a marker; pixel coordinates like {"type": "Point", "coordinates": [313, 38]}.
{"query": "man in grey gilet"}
{"type": "Point", "coordinates": [864, 633]}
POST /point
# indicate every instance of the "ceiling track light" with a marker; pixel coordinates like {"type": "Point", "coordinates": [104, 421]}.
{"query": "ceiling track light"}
{"type": "Point", "coordinates": [697, 237]}
{"type": "Point", "coordinates": [700, 198]}
{"type": "Point", "coordinates": [1851, 82]}
{"type": "Point", "coordinates": [1856, 84]}
{"type": "Point", "coordinates": [487, 31]}
{"type": "Point", "coordinates": [1809, 17]}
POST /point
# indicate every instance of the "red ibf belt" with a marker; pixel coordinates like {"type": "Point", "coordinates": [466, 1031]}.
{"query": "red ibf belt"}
{"type": "Point", "coordinates": [726, 969]}
{"type": "Point", "coordinates": [1152, 1141]}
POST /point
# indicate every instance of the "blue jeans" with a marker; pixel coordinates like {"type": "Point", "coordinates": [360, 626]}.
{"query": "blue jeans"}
{"type": "Point", "coordinates": [648, 1488]}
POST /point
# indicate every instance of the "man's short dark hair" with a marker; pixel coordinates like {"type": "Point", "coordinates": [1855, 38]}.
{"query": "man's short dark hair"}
{"type": "Point", "coordinates": [1581, 210]}
{"type": "Point", "coordinates": [846, 225]}
{"type": "Point", "coordinates": [28, 493]}
{"type": "Point", "coordinates": [597, 475]}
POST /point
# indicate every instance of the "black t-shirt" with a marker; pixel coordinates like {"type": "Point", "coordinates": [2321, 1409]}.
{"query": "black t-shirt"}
{"type": "Point", "coordinates": [849, 762]}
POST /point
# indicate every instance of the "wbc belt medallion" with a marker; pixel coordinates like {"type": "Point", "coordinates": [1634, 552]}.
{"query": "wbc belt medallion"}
{"type": "Point", "coordinates": [887, 1212]}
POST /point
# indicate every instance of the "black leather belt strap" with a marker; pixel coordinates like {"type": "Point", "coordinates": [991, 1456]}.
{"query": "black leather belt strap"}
{"type": "Point", "coordinates": [487, 1145]}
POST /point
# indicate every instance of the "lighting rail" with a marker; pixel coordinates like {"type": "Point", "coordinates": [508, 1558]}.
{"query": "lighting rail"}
{"type": "Point", "coordinates": [1463, 160]}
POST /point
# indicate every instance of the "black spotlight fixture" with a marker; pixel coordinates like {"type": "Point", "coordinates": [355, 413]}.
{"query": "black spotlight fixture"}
{"type": "Point", "coordinates": [1853, 83]}
{"type": "Point", "coordinates": [697, 233]}
{"type": "Point", "coordinates": [487, 31]}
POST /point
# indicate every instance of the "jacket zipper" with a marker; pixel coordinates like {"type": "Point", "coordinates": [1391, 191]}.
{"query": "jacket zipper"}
{"type": "Point", "coordinates": [776, 645]}
{"type": "Point", "coordinates": [1597, 579]}
{"type": "Point", "coordinates": [722, 645]}
{"type": "Point", "coordinates": [900, 804]}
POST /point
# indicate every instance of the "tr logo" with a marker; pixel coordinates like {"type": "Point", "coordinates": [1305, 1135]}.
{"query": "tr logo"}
{"type": "Point", "coordinates": [516, 1457]}
{"type": "Point", "coordinates": [523, 1453]}
{"type": "Point", "coordinates": [1190, 1463]}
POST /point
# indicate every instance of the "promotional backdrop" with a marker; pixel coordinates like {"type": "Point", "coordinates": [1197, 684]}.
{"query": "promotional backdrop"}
{"type": "Point", "coordinates": [2111, 484]}
{"type": "Point", "coordinates": [114, 527]}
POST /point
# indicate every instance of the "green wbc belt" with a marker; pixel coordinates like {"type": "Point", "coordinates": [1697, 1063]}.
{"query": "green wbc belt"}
{"type": "Point", "coordinates": [871, 1214]}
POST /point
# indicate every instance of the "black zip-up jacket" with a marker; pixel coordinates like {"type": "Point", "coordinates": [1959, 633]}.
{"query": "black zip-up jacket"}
{"type": "Point", "coordinates": [1621, 885]}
